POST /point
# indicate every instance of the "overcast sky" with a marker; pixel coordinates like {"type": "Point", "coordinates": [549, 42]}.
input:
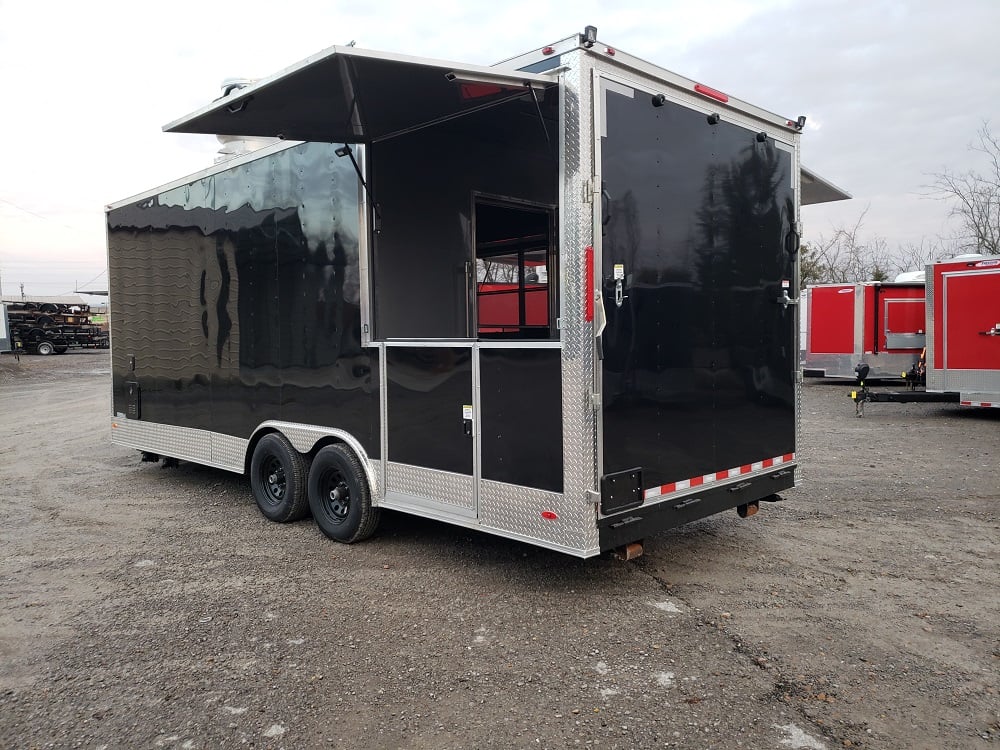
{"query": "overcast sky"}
{"type": "Point", "coordinates": [893, 91]}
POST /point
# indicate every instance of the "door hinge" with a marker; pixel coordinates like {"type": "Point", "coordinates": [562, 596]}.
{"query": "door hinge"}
{"type": "Point", "coordinates": [588, 191]}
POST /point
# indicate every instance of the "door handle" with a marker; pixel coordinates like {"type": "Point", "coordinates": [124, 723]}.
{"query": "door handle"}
{"type": "Point", "coordinates": [784, 300]}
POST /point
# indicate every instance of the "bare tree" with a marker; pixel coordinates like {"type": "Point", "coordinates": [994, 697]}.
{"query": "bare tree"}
{"type": "Point", "coordinates": [975, 196]}
{"type": "Point", "coordinates": [847, 257]}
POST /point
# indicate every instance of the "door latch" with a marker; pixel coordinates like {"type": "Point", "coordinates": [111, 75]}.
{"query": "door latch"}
{"type": "Point", "coordinates": [784, 300]}
{"type": "Point", "coordinates": [620, 296]}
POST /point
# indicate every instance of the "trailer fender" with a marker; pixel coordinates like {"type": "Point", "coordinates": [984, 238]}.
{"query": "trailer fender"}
{"type": "Point", "coordinates": [306, 438]}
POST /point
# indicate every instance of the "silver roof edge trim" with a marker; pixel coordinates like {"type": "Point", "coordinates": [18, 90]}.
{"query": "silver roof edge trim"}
{"type": "Point", "coordinates": [216, 168]}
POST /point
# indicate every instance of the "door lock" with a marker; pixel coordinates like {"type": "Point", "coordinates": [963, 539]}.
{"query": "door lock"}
{"type": "Point", "coordinates": [620, 296]}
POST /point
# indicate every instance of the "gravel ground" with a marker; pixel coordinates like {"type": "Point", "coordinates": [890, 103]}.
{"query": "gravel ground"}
{"type": "Point", "coordinates": [145, 607]}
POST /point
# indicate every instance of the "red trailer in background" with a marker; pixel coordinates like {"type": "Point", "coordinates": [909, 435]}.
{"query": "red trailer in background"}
{"type": "Point", "coordinates": [963, 323]}
{"type": "Point", "coordinates": [880, 324]}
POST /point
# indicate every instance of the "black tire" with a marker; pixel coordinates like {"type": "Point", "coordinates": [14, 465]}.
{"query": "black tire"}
{"type": "Point", "coordinates": [48, 307]}
{"type": "Point", "coordinates": [339, 496]}
{"type": "Point", "coordinates": [62, 349]}
{"type": "Point", "coordinates": [278, 479]}
{"type": "Point", "coordinates": [44, 348]}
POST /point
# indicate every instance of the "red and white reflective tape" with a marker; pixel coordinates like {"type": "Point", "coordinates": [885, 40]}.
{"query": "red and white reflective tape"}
{"type": "Point", "coordinates": [987, 404]}
{"type": "Point", "coordinates": [718, 476]}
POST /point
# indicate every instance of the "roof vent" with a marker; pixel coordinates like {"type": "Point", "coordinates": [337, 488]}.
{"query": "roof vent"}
{"type": "Point", "coordinates": [238, 145]}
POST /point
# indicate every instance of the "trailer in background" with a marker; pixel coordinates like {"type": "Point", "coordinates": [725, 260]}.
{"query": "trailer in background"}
{"type": "Point", "coordinates": [963, 323]}
{"type": "Point", "coordinates": [5, 340]}
{"type": "Point", "coordinates": [49, 326]}
{"type": "Point", "coordinates": [962, 357]}
{"type": "Point", "coordinates": [879, 324]}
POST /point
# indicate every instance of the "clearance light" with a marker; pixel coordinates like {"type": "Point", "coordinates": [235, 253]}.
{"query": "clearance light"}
{"type": "Point", "coordinates": [478, 90]}
{"type": "Point", "coordinates": [548, 50]}
{"type": "Point", "coordinates": [610, 51]}
{"type": "Point", "coordinates": [548, 515]}
{"type": "Point", "coordinates": [711, 93]}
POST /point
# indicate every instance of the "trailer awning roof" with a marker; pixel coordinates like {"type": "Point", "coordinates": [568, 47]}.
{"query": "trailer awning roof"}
{"type": "Point", "coordinates": [817, 190]}
{"type": "Point", "coordinates": [347, 95]}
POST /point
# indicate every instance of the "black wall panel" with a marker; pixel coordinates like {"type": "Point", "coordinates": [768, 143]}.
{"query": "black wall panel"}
{"type": "Point", "coordinates": [427, 389]}
{"type": "Point", "coordinates": [238, 295]}
{"type": "Point", "coordinates": [521, 400]}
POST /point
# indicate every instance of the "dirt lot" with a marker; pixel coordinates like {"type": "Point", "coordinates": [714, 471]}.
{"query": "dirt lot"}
{"type": "Point", "coordinates": [144, 607]}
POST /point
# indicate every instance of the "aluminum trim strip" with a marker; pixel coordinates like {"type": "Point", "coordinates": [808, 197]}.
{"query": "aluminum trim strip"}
{"type": "Point", "coordinates": [519, 344]}
{"type": "Point", "coordinates": [236, 161]}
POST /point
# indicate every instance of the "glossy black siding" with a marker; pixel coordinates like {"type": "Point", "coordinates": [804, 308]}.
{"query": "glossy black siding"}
{"type": "Point", "coordinates": [521, 399]}
{"type": "Point", "coordinates": [698, 360]}
{"type": "Point", "coordinates": [238, 297]}
{"type": "Point", "coordinates": [427, 390]}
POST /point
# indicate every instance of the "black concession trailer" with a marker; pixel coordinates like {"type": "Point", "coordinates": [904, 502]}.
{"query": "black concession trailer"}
{"type": "Point", "coordinates": [552, 299]}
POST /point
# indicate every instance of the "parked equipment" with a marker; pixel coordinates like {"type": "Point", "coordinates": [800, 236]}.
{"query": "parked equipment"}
{"type": "Point", "coordinates": [46, 327]}
{"type": "Point", "coordinates": [5, 340]}
{"type": "Point", "coordinates": [878, 324]}
{"type": "Point", "coordinates": [553, 299]}
{"type": "Point", "coordinates": [962, 312]}
{"type": "Point", "coordinates": [964, 323]}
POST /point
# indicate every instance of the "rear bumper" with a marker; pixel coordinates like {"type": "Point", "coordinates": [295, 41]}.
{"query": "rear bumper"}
{"type": "Point", "coordinates": [639, 523]}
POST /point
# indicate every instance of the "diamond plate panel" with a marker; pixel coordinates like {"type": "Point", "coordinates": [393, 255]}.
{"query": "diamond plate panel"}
{"type": "Point", "coordinates": [577, 515]}
{"type": "Point", "coordinates": [842, 365]}
{"type": "Point", "coordinates": [229, 451]}
{"type": "Point", "coordinates": [442, 486]}
{"type": "Point", "coordinates": [375, 476]}
{"type": "Point", "coordinates": [989, 397]}
{"type": "Point", "coordinates": [518, 511]}
{"type": "Point", "coordinates": [183, 443]}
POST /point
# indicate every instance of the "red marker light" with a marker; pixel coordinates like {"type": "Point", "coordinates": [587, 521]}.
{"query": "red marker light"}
{"type": "Point", "coordinates": [711, 93]}
{"type": "Point", "coordinates": [548, 515]}
{"type": "Point", "coordinates": [547, 50]}
{"type": "Point", "coordinates": [479, 90]}
{"type": "Point", "coordinates": [610, 51]}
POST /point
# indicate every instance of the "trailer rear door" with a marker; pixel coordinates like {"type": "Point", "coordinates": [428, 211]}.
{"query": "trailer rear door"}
{"type": "Point", "coordinates": [970, 321]}
{"type": "Point", "coordinates": [699, 285]}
